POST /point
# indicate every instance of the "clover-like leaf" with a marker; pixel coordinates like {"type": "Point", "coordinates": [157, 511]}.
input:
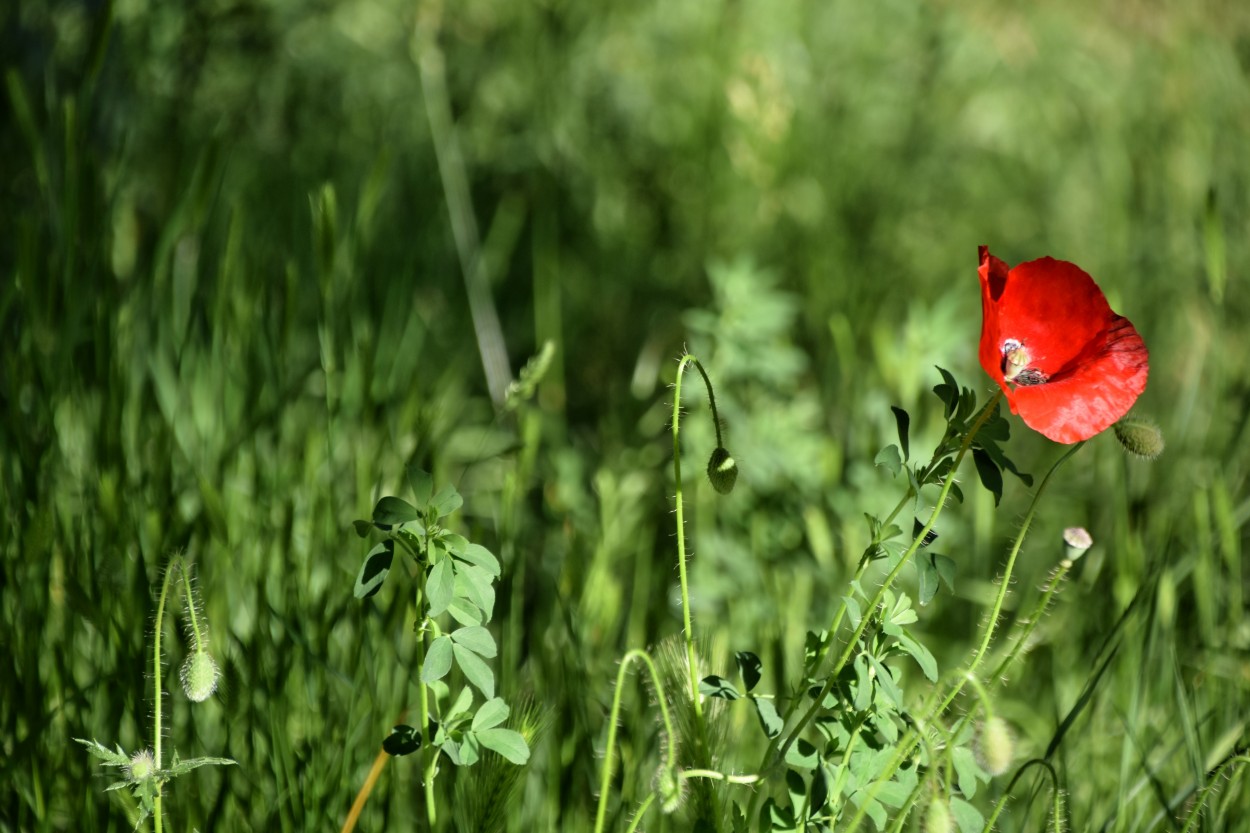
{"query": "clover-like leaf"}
{"type": "Point", "coordinates": [477, 639]}
{"type": "Point", "coordinates": [490, 714]}
{"type": "Point", "coordinates": [475, 670]}
{"type": "Point", "coordinates": [374, 571]}
{"type": "Point", "coordinates": [511, 745]}
{"type": "Point", "coordinates": [392, 511]}
{"type": "Point", "coordinates": [437, 660]}
{"type": "Point", "coordinates": [714, 686]}
{"type": "Point", "coordinates": [440, 587]}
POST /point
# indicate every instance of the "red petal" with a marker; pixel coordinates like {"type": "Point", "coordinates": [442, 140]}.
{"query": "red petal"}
{"type": "Point", "coordinates": [1095, 362]}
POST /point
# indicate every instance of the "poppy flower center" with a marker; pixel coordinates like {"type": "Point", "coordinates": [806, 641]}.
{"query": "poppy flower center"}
{"type": "Point", "coordinates": [1015, 365]}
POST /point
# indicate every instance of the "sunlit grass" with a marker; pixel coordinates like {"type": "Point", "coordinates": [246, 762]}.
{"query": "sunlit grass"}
{"type": "Point", "coordinates": [234, 311]}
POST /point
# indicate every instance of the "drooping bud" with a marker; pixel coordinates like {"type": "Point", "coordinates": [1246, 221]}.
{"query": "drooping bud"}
{"type": "Point", "coordinates": [995, 746]}
{"type": "Point", "coordinates": [1140, 437]}
{"type": "Point", "coordinates": [199, 675]}
{"type": "Point", "coordinates": [722, 470]}
{"type": "Point", "coordinates": [671, 788]}
{"type": "Point", "coordinates": [937, 816]}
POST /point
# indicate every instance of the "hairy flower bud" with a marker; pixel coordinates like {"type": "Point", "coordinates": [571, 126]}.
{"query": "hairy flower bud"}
{"type": "Point", "coordinates": [1140, 437]}
{"type": "Point", "coordinates": [142, 766]}
{"type": "Point", "coordinates": [995, 746]}
{"type": "Point", "coordinates": [199, 676]}
{"type": "Point", "coordinates": [722, 470]}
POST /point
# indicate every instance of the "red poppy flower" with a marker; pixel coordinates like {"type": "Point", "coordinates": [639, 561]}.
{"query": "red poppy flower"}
{"type": "Point", "coordinates": [1069, 365]}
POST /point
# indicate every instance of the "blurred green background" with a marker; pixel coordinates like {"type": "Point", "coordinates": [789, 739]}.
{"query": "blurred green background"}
{"type": "Point", "coordinates": [254, 254]}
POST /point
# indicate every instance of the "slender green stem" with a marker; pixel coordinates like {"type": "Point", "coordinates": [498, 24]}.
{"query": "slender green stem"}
{"type": "Point", "coordinates": [429, 755]}
{"type": "Point", "coordinates": [605, 778]}
{"type": "Point", "coordinates": [158, 689]}
{"type": "Point", "coordinates": [193, 615]}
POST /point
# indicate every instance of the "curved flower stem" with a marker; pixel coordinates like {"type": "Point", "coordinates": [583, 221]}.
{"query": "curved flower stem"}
{"type": "Point", "coordinates": [429, 755]}
{"type": "Point", "coordinates": [605, 778]}
{"type": "Point", "coordinates": [679, 509]}
{"type": "Point", "coordinates": [775, 753]}
{"type": "Point", "coordinates": [908, 742]}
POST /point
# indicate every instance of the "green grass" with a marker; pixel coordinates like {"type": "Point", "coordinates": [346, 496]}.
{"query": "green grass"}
{"type": "Point", "coordinates": [234, 307]}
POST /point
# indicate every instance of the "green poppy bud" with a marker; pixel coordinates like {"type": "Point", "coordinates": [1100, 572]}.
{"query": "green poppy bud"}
{"type": "Point", "coordinates": [1140, 437]}
{"type": "Point", "coordinates": [995, 746]}
{"type": "Point", "coordinates": [199, 676]}
{"type": "Point", "coordinates": [142, 766]}
{"type": "Point", "coordinates": [722, 470]}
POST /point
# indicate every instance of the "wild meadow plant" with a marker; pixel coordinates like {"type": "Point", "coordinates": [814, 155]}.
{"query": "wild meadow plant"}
{"type": "Point", "coordinates": [844, 743]}
{"type": "Point", "coordinates": [144, 771]}
{"type": "Point", "coordinates": [455, 599]}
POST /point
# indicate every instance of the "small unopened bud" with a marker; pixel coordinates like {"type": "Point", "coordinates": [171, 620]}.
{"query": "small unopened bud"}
{"type": "Point", "coordinates": [722, 470]}
{"type": "Point", "coordinates": [1140, 437]}
{"type": "Point", "coordinates": [671, 788]}
{"type": "Point", "coordinates": [995, 746]}
{"type": "Point", "coordinates": [1076, 540]}
{"type": "Point", "coordinates": [142, 766]}
{"type": "Point", "coordinates": [937, 817]}
{"type": "Point", "coordinates": [199, 676]}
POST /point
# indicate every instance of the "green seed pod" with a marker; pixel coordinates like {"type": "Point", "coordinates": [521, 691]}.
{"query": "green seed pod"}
{"type": "Point", "coordinates": [1140, 437]}
{"type": "Point", "coordinates": [199, 676]}
{"type": "Point", "coordinates": [995, 746]}
{"type": "Point", "coordinates": [142, 766]}
{"type": "Point", "coordinates": [722, 470]}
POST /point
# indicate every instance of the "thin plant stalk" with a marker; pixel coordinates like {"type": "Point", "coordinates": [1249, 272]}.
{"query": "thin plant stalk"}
{"type": "Point", "coordinates": [158, 690]}
{"type": "Point", "coordinates": [605, 777]}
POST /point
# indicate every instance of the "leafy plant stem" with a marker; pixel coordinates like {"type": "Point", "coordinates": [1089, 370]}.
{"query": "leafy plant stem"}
{"type": "Point", "coordinates": [909, 741]}
{"type": "Point", "coordinates": [429, 755]}
{"type": "Point", "coordinates": [773, 753]}
{"type": "Point", "coordinates": [605, 778]}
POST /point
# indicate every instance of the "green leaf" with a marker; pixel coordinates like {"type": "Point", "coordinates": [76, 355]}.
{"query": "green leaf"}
{"type": "Point", "coordinates": [968, 818]}
{"type": "Point", "coordinates": [480, 556]}
{"type": "Point", "coordinates": [926, 570]}
{"type": "Point", "coordinates": [889, 459]}
{"type": "Point", "coordinates": [919, 653]}
{"type": "Point", "coordinates": [437, 660]}
{"type": "Point", "coordinates": [452, 542]}
{"type": "Point", "coordinates": [948, 391]}
{"type": "Point", "coordinates": [374, 571]}
{"type": "Point", "coordinates": [770, 721]}
{"type": "Point", "coordinates": [968, 770]}
{"type": "Point", "coordinates": [863, 684]}
{"type": "Point", "coordinates": [714, 686]}
{"type": "Point", "coordinates": [470, 750]}
{"type": "Point", "coordinates": [105, 754]}
{"type": "Point", "coordinates": [464, 611]}
{"type": "Point", "coordinates": [803, 754]}
{"type": "Point", "coordinates": [490, 714]}
{"type": "Point", "coordinates": [447, 500]}
{"type": "Point", "coordinates": [991, 477]}
{"type": "Point", "coordinates": [421, 483]}
{"type": "Point", "coordinates": [182, 767]}
{"type": "Point", "coordinates": [476, 639]}
{"type": "Point", "coordinates": [440, 587]}
{"type": "Point", "coordinates": [363, 528]}
{"type": "Point", "coordinates": [904, 423]}
{"type": "Point", "coordinates": [749, 666]}
{"type": "Point", "coordinates": [392, 511]}
{"type": "Point", "coordinates": [475, 584]}
{"type": "Point", "coordinates": [511, 745]}
{"type": "Point", "coordinates": [464, 700]}
{"type": "Point", "coordinates": [475, 670]}
{"type": "Point", "coordinates": [886, 683]}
